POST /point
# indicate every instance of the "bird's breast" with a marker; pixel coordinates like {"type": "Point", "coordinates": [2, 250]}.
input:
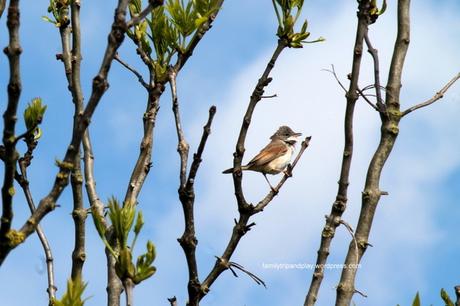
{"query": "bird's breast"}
{"type": "Point", "coordinates": [279, 164]}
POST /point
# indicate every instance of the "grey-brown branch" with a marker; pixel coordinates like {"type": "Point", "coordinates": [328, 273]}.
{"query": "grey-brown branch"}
{"type": "Point", "coordinates": [8, 237]}
{"type": "Point", "coordinates": [389, 132]}
{"type": "Point", "coordinates": [188, 240]}
{"type": "Point", "coordinates": [340, 203]}
{"type": "Point", "coordinates": [439, 95]}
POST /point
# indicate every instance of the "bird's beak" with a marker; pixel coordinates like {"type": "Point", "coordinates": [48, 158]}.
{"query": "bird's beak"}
{"type": "Point", "coordinates": [294, 137]}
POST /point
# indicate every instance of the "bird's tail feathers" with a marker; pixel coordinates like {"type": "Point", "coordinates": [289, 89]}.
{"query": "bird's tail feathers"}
{"type": "Point", "coordinates": [230, 170]}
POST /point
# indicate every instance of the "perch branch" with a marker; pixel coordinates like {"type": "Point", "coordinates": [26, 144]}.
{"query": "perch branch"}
{"type": "Point", "coordinates": [242, 225]}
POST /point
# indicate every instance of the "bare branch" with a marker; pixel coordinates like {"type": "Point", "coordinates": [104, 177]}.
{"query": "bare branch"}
{"type": "Point", "coordinates": [41, 235]}
{"type": "Point", "coordinates": [269, 97]}
{"type": "Point", "coordinates": [197, 156]}
{"type": "Point", "coordinates": [340, 203]}
{"type": "Point", "coordinates": [336, 77]}
{"type": "Point", "coordinates": [375, 57]}
{"type": "Point", "coordinates": [173, 301]}
{"type": "Point", "coordinates": [134, 71]}
{"type": "Point", "coordinates": [254, 277]}
{"type": "Point", "coordinates": [361, 93]}
{"type": "Point", "coordinates": [390, 129]}
{"type": "Point", "coordinates": [143, 163]}
{"type": "Point", "coordinates": [182, 145]}
{"type": "Point", "coordinates": [8, 238]}
{"type": "Point", "coordinates": [188, 240]}
{"type": "Point", "coordinates": [439, 95]}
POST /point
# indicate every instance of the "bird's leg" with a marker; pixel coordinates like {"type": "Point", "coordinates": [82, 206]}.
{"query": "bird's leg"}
{"type": "Point", "coordinates": [288, 170]}
{"type": "Point", "coordinates": [272, 188]}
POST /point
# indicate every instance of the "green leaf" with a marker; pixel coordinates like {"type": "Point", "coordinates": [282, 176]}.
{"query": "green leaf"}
{"type": "Point", "coordinates": [445, 297]}
{"type": "Point", "coordinates": [33, 114]}
{"type": "Point", "coordinates": [416, 301]}
{"type": "Point", "coordinates": [73, 294]}
{"type": "Point", "coordinates": [47, 19]}
{"type": "Point", "coordinates": [139, 223]}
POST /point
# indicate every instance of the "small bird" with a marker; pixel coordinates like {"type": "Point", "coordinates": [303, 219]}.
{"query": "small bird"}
{"type": "Point", "coordinates": [276, 156]}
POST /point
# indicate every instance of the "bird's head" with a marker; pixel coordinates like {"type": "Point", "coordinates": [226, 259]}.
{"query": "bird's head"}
{"type": "Point", "coordinates": [286, 134]}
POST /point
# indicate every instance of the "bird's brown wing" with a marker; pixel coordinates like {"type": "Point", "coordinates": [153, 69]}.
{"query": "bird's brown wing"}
{"type": "Point", "coordinates": [272, 151]}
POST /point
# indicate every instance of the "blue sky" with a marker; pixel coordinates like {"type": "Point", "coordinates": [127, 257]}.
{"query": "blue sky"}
{"type": "Point", "coordinates": [415, 239]}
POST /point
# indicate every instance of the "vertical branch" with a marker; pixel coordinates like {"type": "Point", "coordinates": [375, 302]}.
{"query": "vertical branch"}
{"type": "Point", "coordinates": [12, 51]}
{"type": "Point", "coordinates": [378, 89]}
{"type": "Point", "coordinates": [340, 203]}
{"type": "Point", "coordinates": [143, 163]}
{"type": "Point", "coordinates": [182, 145]}
{"type": "Point", "coordinates": [389, 132]}
{"type": "Point", "coordinates": [79, 213]}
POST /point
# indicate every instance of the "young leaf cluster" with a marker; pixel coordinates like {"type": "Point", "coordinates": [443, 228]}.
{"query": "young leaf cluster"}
{"type": "Point", "coordinates": [445, 297]}
{"type": "Point", "coordinates": [73, 294]}
{"type": "Point", "coordinates": [59, 9]}
{"type": "Point", "coordinates": [168, 29]}
{"type": "Point", "coordinates": [287, 13]}
{"type": "Point", "coordinates": [33, 116]}
{"type": "Point", "coordinates": [375, 12]}
{"type": "Point", "coordinates": [122, 220]}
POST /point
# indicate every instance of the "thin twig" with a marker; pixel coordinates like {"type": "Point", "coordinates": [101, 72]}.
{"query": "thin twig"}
{"type": "Point", "coordinates": [375, 57]}
{"type": "Point", "coordinates": [41, 235]}
{"type": "Point", "coordinates": [439, 95]}
{"type": "Point", "coordinates": [361, 93]}
{"type": "Point", "coordinates": [254, 277]}
{"type": "Point", "coordinates": [332, 70]}
{"type": "Point", "coordinates": [269, 97]}
{"type": "Point", "coordinates": [352, 234]}
{"type": "Point", "coordinates": [134, 71]}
